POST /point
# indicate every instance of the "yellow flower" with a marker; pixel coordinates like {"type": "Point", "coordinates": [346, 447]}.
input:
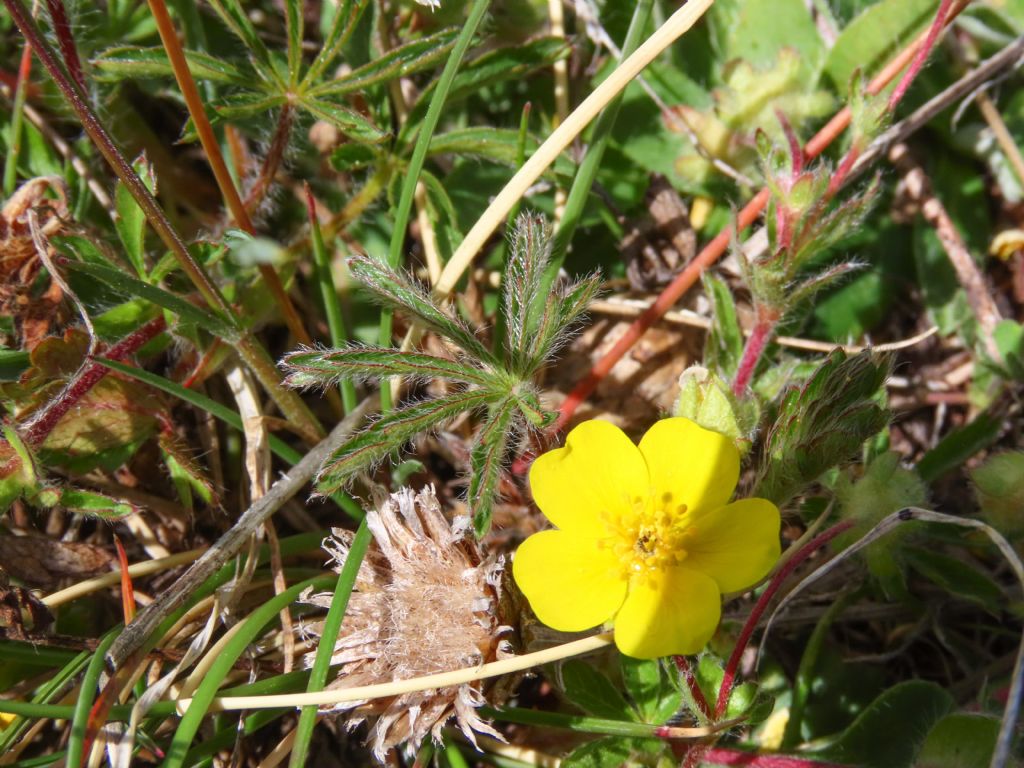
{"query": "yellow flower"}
{"type": "Point", "coordinates": [645, 536]}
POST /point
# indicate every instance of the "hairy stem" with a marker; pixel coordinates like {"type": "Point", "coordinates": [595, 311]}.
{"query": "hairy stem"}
{"type": "Point", "coordinates": [66, 41]}
{"type": "Point", "coordinates": [36, 430]}
{"type": "Point", "coordinates": [754, 347]}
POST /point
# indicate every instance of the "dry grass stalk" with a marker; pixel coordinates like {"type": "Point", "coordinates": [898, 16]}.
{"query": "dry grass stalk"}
{"type": "Point", "coordinates": [426, 599]}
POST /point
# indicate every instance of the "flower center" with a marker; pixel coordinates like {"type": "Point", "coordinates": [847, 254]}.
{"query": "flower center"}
{"type": "Point", "coordinates": [649, 537]}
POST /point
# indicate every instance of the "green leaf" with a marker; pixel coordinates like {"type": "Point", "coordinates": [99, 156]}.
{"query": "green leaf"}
{"type": "Point", "coordinates": [764, 27]}
{"type": "Point", "coordinates": [656, 698]}
{"type": "Point", "coordinates": [882, 28]}
{"type": "Point", "coordinates": [402, 61]}
{"type": "Point", "coordinates": [130, 222]}
{"type": "Point", "coordinates": [499, 65]}
{"type": "Point", "coordinates": [346, 16]}
{"type": "Point", "coordinates": [616, 752]}
{"type": "Point", "coordinates": [187, 476]}
{"type": "Point", "coordinates": [724, 345]}
{"type": "Point", "coordinates": [521, 284]}
{"type": "Point", "coordinates": [18, 474]}
{"type": "Point", "coordinates": [593, 692]}
{"type": "Point", "coordinates": [823, 423]}
{"type": "Point", "coordinates": [957, 577]}
{"type": "Point", "coordinates": [130, 287]}
{"type": "Point", "coordinates": [353, 157]}
{"type": "Point", "coordinates": [390, 433]}
{"type": "Point", "coordinates": [889, 733]}
{"type": "Point", "coordinates": [138, 62]}
{"type": "Point", "coordinates": [1009, 339]}
{"type": "Point", "coordinates": [959, 445]}
{"type": "Point", "coordinates": [394, 289]}
{"type": "Point", "coordinates": [959, 740]}
{"type": "Point", "coordinates": [485, 460]}
{"type": "Point", "coordinates": [323, 367]}
{"type": "Point", "coordinates": [346, 120]}
{"type": "Point", "coordinates": [85, 502]}
{"type": "Point", "coordinates": [233, 14]}
{"type": "Point", "coordinates": [294, 26]}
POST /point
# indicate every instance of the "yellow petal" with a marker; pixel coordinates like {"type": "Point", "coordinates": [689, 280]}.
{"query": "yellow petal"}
{"type": "Point", "coordinates": [735, 545]}
{"type": "Point", "coordinates": [598, 471]}
{"type": "Point", "coordinates": [572, 583]}
{"type": "Point", "coordinates": [674, 611]}
{"type": "Point", "coordinates": [697, 466]}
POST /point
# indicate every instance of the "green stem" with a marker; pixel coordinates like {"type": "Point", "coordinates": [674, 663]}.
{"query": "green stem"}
{"type": "Point", "coordinates": [325, 650]}
{"type": "Point", "coordinates": [579, 723]}
{"type": "Point", "coordinates": [808, 663]}
{"type": "Point", "coordinates": [587, 171]}
{"type": "Point", "coordinates": [86, 695]}
{"type": "Point", "coordinates": [419, 154]}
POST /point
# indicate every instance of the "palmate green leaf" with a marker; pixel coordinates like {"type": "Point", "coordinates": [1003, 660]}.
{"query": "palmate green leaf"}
{"type": "Point", "coordinates": [348, 121]}
{"type": "Point", "coordinates": [486, 458]}
{"type": "Point", "coordinates": [391, 432]}
{"type": "Point", "coordinates": [323, 367]}
{"type": "Point", "coordinates": [657, 700]}
{"type": "Point", "coordinates": [558, 322]}
{"type": "Point", "coordinates": [133, 61]}
{"type": "Point", "coordinates": [130, 287]}
{"type": "Point", "coordinates": [502, 64]}
{"type": "Point", "coordinates": [402, 61]}
{"type": "Point", "coordinates": [401, 293]}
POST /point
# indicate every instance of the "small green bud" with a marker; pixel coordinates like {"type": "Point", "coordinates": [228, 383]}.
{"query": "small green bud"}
{"type": "Point", "coordinates": [705, 398]}
{"type": "Point", "coordinates": [999, 487]}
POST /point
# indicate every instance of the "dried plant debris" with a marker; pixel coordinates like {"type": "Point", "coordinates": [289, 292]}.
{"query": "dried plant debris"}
{"type": "Point", "coordinates": [427, 599]}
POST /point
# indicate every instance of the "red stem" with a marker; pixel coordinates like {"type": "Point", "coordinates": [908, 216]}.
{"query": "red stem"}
{"type": "Point", "coordinates": [683, 664]}
{"type": "Point", "coordinates": [720, 756]}
{"type": "Point", "coordinates": [714, 249]}
{"type": "Point", "coordinates": [922, 55]}
{"type": "Point", "coordinates": [731, 666]}
{"type": "Point", "coordinates": [40, 426]}
{"type": "Point", "coordinates": [752, 351]}
{"type": "Point", "coordinates": [66, 41]}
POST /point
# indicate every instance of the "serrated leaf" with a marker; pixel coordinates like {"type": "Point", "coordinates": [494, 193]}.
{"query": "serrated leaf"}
{"type": "Point", "coordinates": [593, 692]}
{"type": "Point", "coordinates": [348, 121]}
{"type": "Point", "coordinates": [402, 61]}
{"type": "Point", "coordinates": [822, 423]}
{"type": "Point", "coordinates": [396, 290]}
{"type": "Point", "coordinates": [524, 274]}
{"type": "Point", "coordinates": [485, 461]}
{"type": "Point", "coordinates": [889, 732]}
{"type": "Point", "coordinates": [656, 699]}
{"type": "Point", "coordinates": [130, 221]}
{"type": "Point", "coordinates": [764, 27]}
{"type": "Point", "coordinates": [323, 367]}
{"type": "Point", "coordinates": [390, 433]}
{"type": "Point", "coordinates": [18, 474]}
{"type": "Point", "coordinates": [130, 287]}
{"type": "Point", "coordinates": [615, 752]}
{"type": "Point", "coordinates": [139, 62]}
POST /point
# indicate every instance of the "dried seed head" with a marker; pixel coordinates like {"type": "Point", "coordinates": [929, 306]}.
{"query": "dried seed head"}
{"type": "Point", "coordinates": [426, 600]}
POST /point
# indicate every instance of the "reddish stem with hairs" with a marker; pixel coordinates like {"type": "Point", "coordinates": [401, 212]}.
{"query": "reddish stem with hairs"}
{"type": "Point", "coordinates": [66, 42]}
{"type": "Point", "coordinates": [683, 665]}
{"type": "Point", "coordinates": [719, 756]}
{"type": "Point", "coordinates": [37, 430]}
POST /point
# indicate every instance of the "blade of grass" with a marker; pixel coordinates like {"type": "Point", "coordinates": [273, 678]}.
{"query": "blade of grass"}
{"type": "Point", "coordinates": [17, 117]}
{"type": "Point", "coordinates": [77, 746]}
{"type": "Point", "coordinates": [329, 295]}
{"type": "Point", "coordinates": [419, 154]}
{"type": "Point", "coordinates": [252, 627]}
{"type": "Point", "coordinates": [324, 652]}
